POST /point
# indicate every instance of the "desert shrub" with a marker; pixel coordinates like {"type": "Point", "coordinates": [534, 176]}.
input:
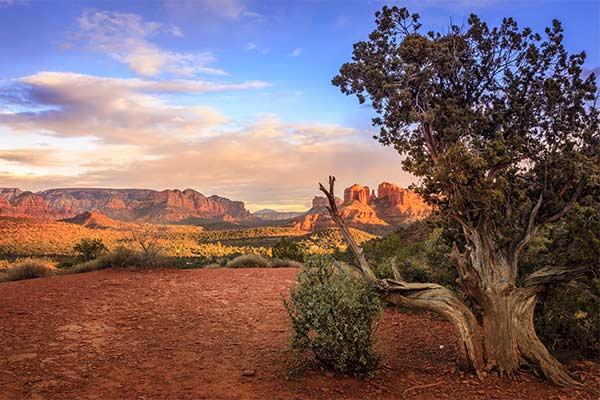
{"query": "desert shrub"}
{"type": "Point", "coordinates": [283, 263]}
{"type": "Point", "coordinates": [87, 266]}
{"type": "Point", "coordinates": [249, 261]}
{"type": "Point", "coordinates": [213, 266]}
{"type": "Point", "coordinates": [420, 252]}
{"type": "Point", "coordinates": [30, 268]}
{"type": "Point", "coordinates": [120, 257]}
{"type": "Point", "coordinates": [568, 319]}
{"type": "Point", "coordinates": [332, 314]}
{"type": "Point", "coordinates": [89, 249]}
{"type": "Point", "coordinates": [288, 249]}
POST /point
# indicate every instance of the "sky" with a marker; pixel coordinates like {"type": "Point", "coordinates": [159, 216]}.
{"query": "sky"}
{"type": "Point", "coordinates": [227, 97]}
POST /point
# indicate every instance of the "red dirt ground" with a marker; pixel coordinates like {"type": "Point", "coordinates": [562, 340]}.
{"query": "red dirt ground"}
{"type": "Point", "coordinates": [190, 335]}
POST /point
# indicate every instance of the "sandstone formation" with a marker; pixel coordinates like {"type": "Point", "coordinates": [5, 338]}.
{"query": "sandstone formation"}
{"type": "Point", "coordinates": [141, 205]}
{"type": "Point", "coordinates": [362, 208]}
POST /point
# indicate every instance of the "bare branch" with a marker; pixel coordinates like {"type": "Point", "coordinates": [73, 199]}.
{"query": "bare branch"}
{"type": "Point", "coordinates": [354, 247]}
{"type": "Point", "coordinates": [552, 274]}
{"type": "Point", "coordinates": [569, 205]}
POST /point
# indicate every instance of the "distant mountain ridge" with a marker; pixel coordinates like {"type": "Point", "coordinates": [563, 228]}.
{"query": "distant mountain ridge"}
{"type": "Point", "coordinates": [271, 215]}
{"type": "Point", "coordinates": [139, 205]}
{"type": "Point", "coordinates": [361, 207]}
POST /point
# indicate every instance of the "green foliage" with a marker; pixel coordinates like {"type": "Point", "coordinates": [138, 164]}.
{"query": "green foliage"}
{"type": "Point", "coordinates": [288, 249]}
{"type": "Point", "coordinates": [249, 261]}
{"type": "Point", "coordinates": [330, 240]}
{"type": "Point", "coordinates": [489, 117]}
{"type": "Point", "coordinates": [29, 268]}
{"type": "Point", "coordinates": [568, 319]}
{"type": "Point", "coordinates": [418, 250]}
{"type": "Point", "coordinates": [89, 249]}
{"type": "Point", "coordinates": [332, 315]}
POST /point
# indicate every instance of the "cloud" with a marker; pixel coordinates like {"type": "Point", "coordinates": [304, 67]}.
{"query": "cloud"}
{"type": "Point", "coordinates": [252, 46]}
{"type": "Point", "coordinates": [126, 38]}
{"type": "Point", "coordinates": [296, 52]}
{"type": "Point", "coordinates": [36, 157]}
{"type": "Point", "coordinates": [114, 110]}
{"type": "Point", "coordinates": [267, 161]}
{"type": "Point", "coordinates": [228, 9]}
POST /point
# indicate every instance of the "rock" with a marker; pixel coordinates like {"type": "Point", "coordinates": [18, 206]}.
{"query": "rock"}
{"type": "Point", "coordinates": [357, 193]}
{"type": "Point", "coordinates": [248, 373]}
{"type": "Point", "coordinates": [363, 209]}
{"type": "Point", "coordinates": [140, 205]}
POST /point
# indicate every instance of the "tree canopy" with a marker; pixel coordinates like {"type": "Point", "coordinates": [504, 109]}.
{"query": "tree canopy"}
{"type": "Point", "coordinates": [494, 120]}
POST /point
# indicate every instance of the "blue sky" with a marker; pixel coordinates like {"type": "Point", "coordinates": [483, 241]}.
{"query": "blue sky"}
{"type": "Point", "coordinates": [230, 97]}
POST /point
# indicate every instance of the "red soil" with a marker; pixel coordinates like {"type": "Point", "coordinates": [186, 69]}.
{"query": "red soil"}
{"type": "Point", "coordinates": [191, 335]}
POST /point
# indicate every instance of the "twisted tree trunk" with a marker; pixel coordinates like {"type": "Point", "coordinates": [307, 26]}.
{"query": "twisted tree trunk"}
{"type": "Point", "coordinates": [506, 339]}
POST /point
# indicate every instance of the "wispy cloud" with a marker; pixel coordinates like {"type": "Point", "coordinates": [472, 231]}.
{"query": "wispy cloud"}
{"type": "Point", "coordinates": [229, 9]}
{"type": "Point", "coordinates": [296, 52]}
{"type": "Point", "coordinates": [127, 38]}
{"type": "Point", "coordinates": [253, 46]}
{"type": "Point", "coordinates": [113, 110]}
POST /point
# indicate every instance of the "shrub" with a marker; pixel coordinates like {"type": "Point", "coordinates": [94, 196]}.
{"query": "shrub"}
{"type": "Point", "coordinates": [284, 263]}
{"type": "Point", "coordinates": [30, 268]}
{"type": "Point", "coordinates": [332, 315]}
{"type": "Point", "coordinates": [568, 320]}
{"type": "Point", "coordinates": [89, 249]}
{"type": "Point", "coordinates": [249, 261]}
{"type": "Point", "coordinates": [288, 249]}
{"type": "Point", "coordinates": [88, 266]}
{"type": "Point", "coordinates": [120, 257]}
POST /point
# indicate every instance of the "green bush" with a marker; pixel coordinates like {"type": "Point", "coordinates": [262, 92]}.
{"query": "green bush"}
{"type": "Point", "coordinates": [249, 261]}
{"type": "Point", "coordinates": [284, 263]}
{"type": "Point", "coordinates": [332, 315]}
{"type": "Point", "coordinates": [29, 268]}
{"type": "Point", "coordinates": [419, 251]}
{"type": "Point", "coordinates": [121, 257]}
{"type": "Point", "coordinates": [288, 249]}
{"type": "Point", "coordinates": [89, 249]}
{"type": "Point", "coordinates": [568, 319]}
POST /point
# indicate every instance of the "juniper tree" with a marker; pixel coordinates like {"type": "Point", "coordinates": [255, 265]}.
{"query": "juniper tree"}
{"type": "Point", "coordinates": [501, 127]}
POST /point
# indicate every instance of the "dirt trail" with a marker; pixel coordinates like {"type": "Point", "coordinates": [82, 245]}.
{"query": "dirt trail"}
{"type": "Point", "coordinates": [191, 334]}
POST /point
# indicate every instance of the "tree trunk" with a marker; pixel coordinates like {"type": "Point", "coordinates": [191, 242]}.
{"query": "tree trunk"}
{"type": "Point", "coordinates": [510, 340]}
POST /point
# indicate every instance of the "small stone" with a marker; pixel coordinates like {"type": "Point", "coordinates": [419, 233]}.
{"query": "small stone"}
{"type": "Point", "coordinates": [248, 372]}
